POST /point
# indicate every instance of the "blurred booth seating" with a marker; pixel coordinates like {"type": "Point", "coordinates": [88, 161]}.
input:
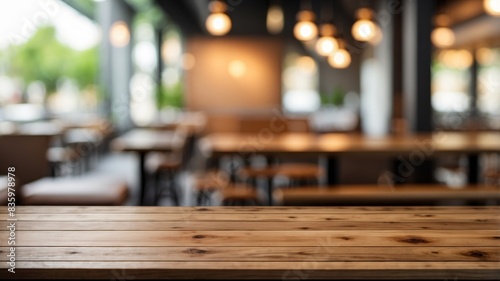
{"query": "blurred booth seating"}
{"type": "Point", "coordinates": [25, 148]}
{"type": "Point", "coordinates": [84, 191]}
{"type": "Point", "coordinates": [3, 190]}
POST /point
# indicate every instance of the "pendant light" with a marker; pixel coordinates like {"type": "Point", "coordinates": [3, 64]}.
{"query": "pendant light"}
{"type": "Point", "coordinates": [492, 7]}
{"type": "Point", "coordinates": [275, 19]}
{"type": "Point", "coordinates": [305, 29]}
{"type": "Point", "coordinates": [218, 22]}
{"type": "Point", "coordinates": [341, 58]}
{"type": "Point", "coordinates": [442, 36]}
{"type": "Point", "coordinates": [326, 44]}
{"type": "Point", "coordinates": [364, 29]}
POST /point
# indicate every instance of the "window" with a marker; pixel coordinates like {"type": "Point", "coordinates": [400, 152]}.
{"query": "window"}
{"type": "Point", "coordinates": [300, 84]}
{"type": "Point", "coordinates": [46, 67]}
{"type": "Point", "coordinates": [451, 79]}
{"type": "Point", "coordinates": [489, 85]}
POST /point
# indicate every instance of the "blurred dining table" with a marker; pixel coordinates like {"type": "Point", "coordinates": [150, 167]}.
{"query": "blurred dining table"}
{"type": "Point", "coordinates": [333, 145]}
{"type": "Point", "coordinates": [142, 142]}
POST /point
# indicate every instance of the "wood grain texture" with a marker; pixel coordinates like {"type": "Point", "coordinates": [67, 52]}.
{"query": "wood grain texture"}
{"type": "Point", "coordinates": [382, 195]}
{"type": "Point", "coordinates": [340, 238]}
{"type": "Point", "coordinates": [303, 143]}
{"type": "Point", "coordinates": [255, 253]}
{"type": "Point", "coordinates": [255, 243]}
{"type": "Point", "coordinates": [253, 210]}
{"type": "Point", "coordinates": [259, 217]}
{"type": "Point", "coordinates": [249, 225]}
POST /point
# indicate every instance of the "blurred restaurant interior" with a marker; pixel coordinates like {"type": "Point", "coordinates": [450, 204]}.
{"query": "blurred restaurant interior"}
{"type": "Point", "coordinates": [234, 102]}
{"type": "Point", "coordinates": [372, 125]}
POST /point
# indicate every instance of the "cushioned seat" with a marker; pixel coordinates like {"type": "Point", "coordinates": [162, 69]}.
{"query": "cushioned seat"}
{"type": "Point", "coordinates": [267, 172]}
{"type": "Point", "coordinates": [3, 190]}
{"type": "Point", "coordinates": [75, 191]}
{"type": "Point", "coordinates": [239, 195]}
{"type": "Point", "coordinates": [299, 171]}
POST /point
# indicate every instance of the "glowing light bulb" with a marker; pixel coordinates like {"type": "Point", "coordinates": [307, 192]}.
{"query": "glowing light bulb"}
{"type": "Point", "coordinates": [364, 30]}
{"type": "Point", "coordinates": [492, 7]}
{"type": "Point", "coordinates": [119, 35]}
{"type": "Point", "coordinates": [326, 45]}
{"type": "Point", "coordinates": [275, 19]}
{"type": "Point", "coordinates": [218, 24]}
{"type": "Point", "coordinates": [340, 59]}
{"type": "Point", "coordinates": [442, 37]}
{"type": "Point", "coordinates": [305, 30]}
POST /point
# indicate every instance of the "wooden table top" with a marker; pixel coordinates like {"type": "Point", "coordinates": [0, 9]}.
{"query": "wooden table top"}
{"type": "Point", "coordinates": [452, 243]}
{"type": "Point", "coordinates": [383, 194]}
{"type": "Point", "coordinates": [145, 140]}
{"type": "Point", "coordinates": [195, 123]}
{"type": "Point", "coordinates": [342, 143]}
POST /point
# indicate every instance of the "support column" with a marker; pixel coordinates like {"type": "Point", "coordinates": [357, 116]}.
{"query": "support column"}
{"type": "Point", "coordinates": [116, 63]}
{"type": "Point", "coordinates": [417, 56]}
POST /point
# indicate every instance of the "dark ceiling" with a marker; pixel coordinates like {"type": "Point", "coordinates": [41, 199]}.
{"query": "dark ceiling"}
{"type": "Point", "coordinates": [249, 16]}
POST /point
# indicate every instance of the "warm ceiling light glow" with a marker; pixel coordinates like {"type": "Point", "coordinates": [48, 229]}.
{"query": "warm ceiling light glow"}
{"type": "Point", "coordinates": [305, 29]}
{"type": "Point", "coordinates": [458, 59]}
{"type": "Point", "coordinates": [443, 37]}
{"type": "Point", "coordinates": [326, 45]}
{"type": "Point", "coordinates": [378, 36]}
{"type": "Point", "coordinates": [275, 19]}
{"type": "Point", "coordinates": [171, 50]}
{"type": "Point", "coordinates": [119, 35]}
{"type": "Point", "coordinates": [485, 56]}
{"type": "Point", "coordinates": [492, 7]}
{"type": "Point", "coordinates": [364, 13]}
{"type": "Point", "coordinates": [340, 59]}
{"type": "Point", "coordinates": [364, 30]}
{"type": "Point", "coordinates": [237, 68]}
{"type": "Point", "coordinates": [218, 24]}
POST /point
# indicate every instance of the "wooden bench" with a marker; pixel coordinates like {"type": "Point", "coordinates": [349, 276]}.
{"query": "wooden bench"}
{"type": "Point", "coordinates": [280, 243]}
{"type": "Point", "coordinates": [383, 195]}
{"type": "Point", "coordinates": [75, 191]}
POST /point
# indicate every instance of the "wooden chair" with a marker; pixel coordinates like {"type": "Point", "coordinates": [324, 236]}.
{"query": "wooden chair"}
{"type": "Point", "coordinates": [297, 173]}
{"type": "Point", "coordinates": [239, 195]}
{"type": "Point", "coordinates": [164, 167]}
{"type": "Point", "coordinates": [61, 157]}
{"type": "Point", "coordinates": [300, 173]}
{"type": "Point", "coordinates": [492, 173]}
{"type": "Point", "coordinates": [207, 184]}
{"type": "Point", "coordinates": [83, 142]}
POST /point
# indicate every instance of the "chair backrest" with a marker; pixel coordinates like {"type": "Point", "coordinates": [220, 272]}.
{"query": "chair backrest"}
{"type": "Point", "coordinates": [277, 125]}
{"type": "Point", "coordinates": [180, 151]}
